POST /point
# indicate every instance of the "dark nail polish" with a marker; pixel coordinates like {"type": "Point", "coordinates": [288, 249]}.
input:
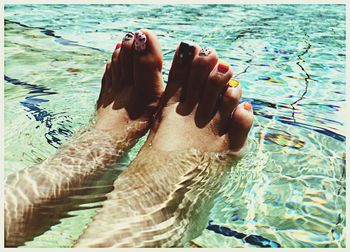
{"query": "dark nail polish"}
{"type": "Point", "coordinates": [128, 36]}
{"type": "Point", "coordinates": [118, 46]}
{"type": "Point", "coordinates": [185, 53]}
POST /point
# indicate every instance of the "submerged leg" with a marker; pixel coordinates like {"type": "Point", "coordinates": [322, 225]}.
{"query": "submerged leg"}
{"type": "Point", "coordinates": [131, 87]}
{"type": "Point", "coordinates": [164, 197]}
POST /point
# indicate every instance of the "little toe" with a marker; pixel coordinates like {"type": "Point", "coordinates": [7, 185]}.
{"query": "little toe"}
{"type": "Point", "coordinates": [115, 68]}
{"type": "Point", "coordinates": [105, 97]}
{"type": "Point", "coordinates": [213, 90]}
{"type": "Point", "coordinates": [239, 125]}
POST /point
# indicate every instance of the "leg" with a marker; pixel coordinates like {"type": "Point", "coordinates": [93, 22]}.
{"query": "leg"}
{"type": "Point", "coordinates": [163, 199]}
{"type": "Point", "coordinates": [131, 87]}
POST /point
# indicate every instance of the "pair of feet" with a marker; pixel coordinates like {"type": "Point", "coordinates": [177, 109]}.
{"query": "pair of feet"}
{"type": "Point", "coordinates": [197, 109]}
{"type": "Point", "coordinates": [163, 198]}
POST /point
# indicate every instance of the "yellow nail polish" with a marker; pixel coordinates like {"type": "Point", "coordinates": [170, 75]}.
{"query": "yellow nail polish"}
{"type": "Point", "coordinates": [233, 83]}
{"type": "Point", "coordinates": [223, 63]}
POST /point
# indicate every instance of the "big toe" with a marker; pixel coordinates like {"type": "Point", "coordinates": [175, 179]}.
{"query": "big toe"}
{"type": "Point", "coordinates": [148, 60]}
{"type": "Point", "coordinates": [179, 72]}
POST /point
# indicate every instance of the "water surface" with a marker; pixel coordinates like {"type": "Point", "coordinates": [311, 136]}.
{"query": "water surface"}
{"type": "Point", "coordinates": [288, 191]}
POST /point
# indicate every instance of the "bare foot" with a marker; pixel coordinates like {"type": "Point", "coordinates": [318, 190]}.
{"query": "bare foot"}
{"type": "Point", "coordinates": [164, 197]}
{"type": "Point", "coordinates": [132, 85]}
{"type": "Point", "coordinates": [130, 92]}
{"type": "Point", "coordinates": [200, 110]}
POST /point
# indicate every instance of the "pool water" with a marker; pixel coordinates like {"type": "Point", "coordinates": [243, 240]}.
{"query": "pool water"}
{"type": "Point", "coordinates": [288, 191]}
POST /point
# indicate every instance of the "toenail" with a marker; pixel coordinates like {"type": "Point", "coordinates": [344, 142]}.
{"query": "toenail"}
{"type": "Point", "coordinates": [185, 53]}
{"type": "Point", "coordinates": [140, 41]}
{"type": "Point", "coordinates": [247, 106]}
{"type": "Point", "coordinates": [128, 36]}
{"type": "Point", "coordinates": [118, 46]}
{"type": "Point", "coordinates": [205, 51]}
{"type": "Point", "coordinates": [233, 83]}
{"type": "Point", "coordinates": [223, 67]}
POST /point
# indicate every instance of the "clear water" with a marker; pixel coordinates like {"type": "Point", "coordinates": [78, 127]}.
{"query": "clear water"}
{"type": "Point", "coordinates": [290, 61]}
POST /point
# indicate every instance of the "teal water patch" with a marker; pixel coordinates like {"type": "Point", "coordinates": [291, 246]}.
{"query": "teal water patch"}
{"type": "Point", "coordinates": [32, 106]}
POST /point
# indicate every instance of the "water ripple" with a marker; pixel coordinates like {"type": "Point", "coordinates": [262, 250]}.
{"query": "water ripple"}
{"type": "Point", "coordinates": [290, 61]}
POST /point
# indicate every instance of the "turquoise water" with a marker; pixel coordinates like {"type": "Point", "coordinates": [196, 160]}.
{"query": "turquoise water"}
{"type": "Point", "coordinates": [288, 191]}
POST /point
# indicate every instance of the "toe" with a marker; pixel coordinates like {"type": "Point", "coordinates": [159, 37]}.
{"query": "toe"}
{"type": "Point", "coordinates": [111, 80]}
{"type": "Point", "coordinates": [147, 43]}
{"type": "Point", "coordinates": [105, 97]}
{"type": "Point", "coordinates": [179, 71]}
{"type": "Point", "coordinates": [214, 88]}
{"type": "Point", "coordinates": [240, 124]}
{"type": "Point", "coordinates": [228, 104]}
{"type": "Point", "coordinates": [203, 63]}
{"type": "Point", "coordinates": [148, 60]}
{"type": "Point", "coordinates": [115, 68]}
{"type": "Point", "coordinates": [126, 59]}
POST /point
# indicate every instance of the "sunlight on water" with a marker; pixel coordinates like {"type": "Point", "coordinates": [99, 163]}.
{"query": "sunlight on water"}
{"type": "Point", "coordinates": [288, 191]}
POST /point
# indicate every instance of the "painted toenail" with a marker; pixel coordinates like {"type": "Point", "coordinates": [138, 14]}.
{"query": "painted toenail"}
{"type": "Point", "coordinates": [205, 51]}
{"type": "Point", "coordinates": [247, 106]}
{"type": "Point", "coordinates": [118, 46]}
{"type": "Point", "coordinates": [233, 83]}
{"type": "Point", "coordinates": [223, 67]}
{"type": "Point", "coordinates": [128, 36]}
{"type": "Point", "coordinates": [185, 53]}
{"type": "Point", "coordinates": [140, 41]}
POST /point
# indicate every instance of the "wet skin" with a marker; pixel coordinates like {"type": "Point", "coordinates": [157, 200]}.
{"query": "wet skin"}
{"type": "Point", "coordinates": [199, 131]}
